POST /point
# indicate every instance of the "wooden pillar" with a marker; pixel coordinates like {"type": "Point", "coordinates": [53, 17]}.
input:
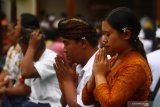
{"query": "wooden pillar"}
{"type": "Point", "coordinates": [0, 28]}
{"type": "Point", "coordinates": [70, 8]}
{"type": "Point", "coordinates": [158, 10]}
{"type": "Point", "coordinates": [38, 8]}
{"type": "Point", "coordinates": [13, 10]}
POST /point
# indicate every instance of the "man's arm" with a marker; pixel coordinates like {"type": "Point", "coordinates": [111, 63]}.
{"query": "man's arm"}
{"type": "Point", "coordinates": [66, 80]}
{"type": "Point", "coordinates": [20, 90]}
{"type": "Point", "coordinates": [63, 101]}
{"type": "Point", "coordinates": [28, 69]}
{"type": "Point", "coordinates": [69, 91]}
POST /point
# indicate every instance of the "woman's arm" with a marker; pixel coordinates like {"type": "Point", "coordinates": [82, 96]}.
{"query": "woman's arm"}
{"type": "Point", "coordinates": [100, 68]}
{"type": "Point", "coordinates": [124, 86]}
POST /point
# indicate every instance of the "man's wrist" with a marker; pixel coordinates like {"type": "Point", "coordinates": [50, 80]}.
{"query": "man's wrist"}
{"type": "Point", "coordinates": [67, 82]}
{"type": "Point", "coordinates": [32, 48]}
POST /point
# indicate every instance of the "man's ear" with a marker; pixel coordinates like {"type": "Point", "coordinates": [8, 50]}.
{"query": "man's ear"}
{"type": "Point", "coordinates": [127, 34]}
{"type": "Point", "coordinates": [84, 43]}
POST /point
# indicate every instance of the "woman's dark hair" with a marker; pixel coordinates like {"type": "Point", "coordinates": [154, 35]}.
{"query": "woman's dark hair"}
{"type": "Point", "coordinates": [123, 18]}
{"type": "Point", "coordinates": [76, 29]}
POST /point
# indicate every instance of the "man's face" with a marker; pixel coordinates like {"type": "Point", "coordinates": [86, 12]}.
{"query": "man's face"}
{"type": "Point", "coordinates": [73, 50]}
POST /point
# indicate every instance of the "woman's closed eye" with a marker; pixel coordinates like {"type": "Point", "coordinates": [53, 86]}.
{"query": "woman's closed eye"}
{"type": "Point", "coordinates": [107, 34]}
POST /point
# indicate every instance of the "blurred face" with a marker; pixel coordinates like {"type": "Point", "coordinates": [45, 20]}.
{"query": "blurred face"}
{"type": "Point", "coordinates": [10, 34]}
{"type": "Point", "coordinates": [72, 50]}
{"type": "Point", "coordinates": [114, 40]}
{"type": "Point", "coordinates": [18, 28]}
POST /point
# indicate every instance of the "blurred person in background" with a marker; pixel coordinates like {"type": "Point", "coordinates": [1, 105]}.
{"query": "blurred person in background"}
{"type": "Point", "coordinates": [158, 37]}
{"type": "Point", "coordinates": [25, 20]}
{"type": "Point", "coordinates": [147, 34]}
{"type": "Point", "coordinates": [154, 63]}
{"type": "Point", "coordinates": [155, 68]}
{"type": "Point", "coordinates": [44, 23]}
{"type": "Point", "coordinates": [11, 51]}
{"type": "Point", "coordinates": [57, 43]}
{"type": "Point", "coordinates": [38, 80]}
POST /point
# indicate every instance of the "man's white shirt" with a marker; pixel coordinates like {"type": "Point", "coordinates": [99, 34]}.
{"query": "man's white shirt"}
{"type": "Point", "coordinates": [45, 89]}
{"type": "Point", "coordinates": [84, 75]}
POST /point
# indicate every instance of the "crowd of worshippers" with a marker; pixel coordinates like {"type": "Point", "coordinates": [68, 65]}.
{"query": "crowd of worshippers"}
{"type": "Point", "coordinates": [82, 67]}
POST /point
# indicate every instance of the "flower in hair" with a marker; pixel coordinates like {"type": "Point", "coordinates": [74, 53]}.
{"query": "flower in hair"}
{"type": "Point", "coordinates": [125, 29]}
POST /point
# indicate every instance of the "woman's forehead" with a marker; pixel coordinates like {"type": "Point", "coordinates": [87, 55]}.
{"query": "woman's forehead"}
{"type": "Point", "coordinates": [106, 26]}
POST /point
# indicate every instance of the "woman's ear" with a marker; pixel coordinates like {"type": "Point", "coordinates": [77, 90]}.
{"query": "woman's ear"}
{"type": "Point", "coordinates": [127, 34]}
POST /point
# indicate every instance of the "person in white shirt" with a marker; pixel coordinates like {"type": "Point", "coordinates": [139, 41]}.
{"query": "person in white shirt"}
{"type": "Point", "coordinates": [38, 71]}
{"type": "Point", "coordinates": [38, 81]}
{"type": "Point", "coordinates": [7, 68]}
{"type": "Point", "coordinates": [158, 37]}
{"type": "Point", "coordinates": [44, 89]}
{"type": "Point", "coordinates": [154, 63]}
{"type": "Point", "coordinates": [80, 45]}
{"type": "Point", "coordinates": [12, 69]}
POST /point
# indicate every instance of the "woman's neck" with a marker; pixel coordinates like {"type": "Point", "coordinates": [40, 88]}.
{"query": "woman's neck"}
{"type": "Point", "coordinates": [124, 52]}
{"type": "Point", "coordinates": [119, 57]}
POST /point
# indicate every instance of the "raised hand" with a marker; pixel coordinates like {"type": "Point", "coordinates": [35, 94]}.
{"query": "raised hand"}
{"type": "Point", "coordinates": [101, 66]}
{"type": "Point", "coordinates": [35, 39]}
{"type": "Point", "coordinates": [63, 71]}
